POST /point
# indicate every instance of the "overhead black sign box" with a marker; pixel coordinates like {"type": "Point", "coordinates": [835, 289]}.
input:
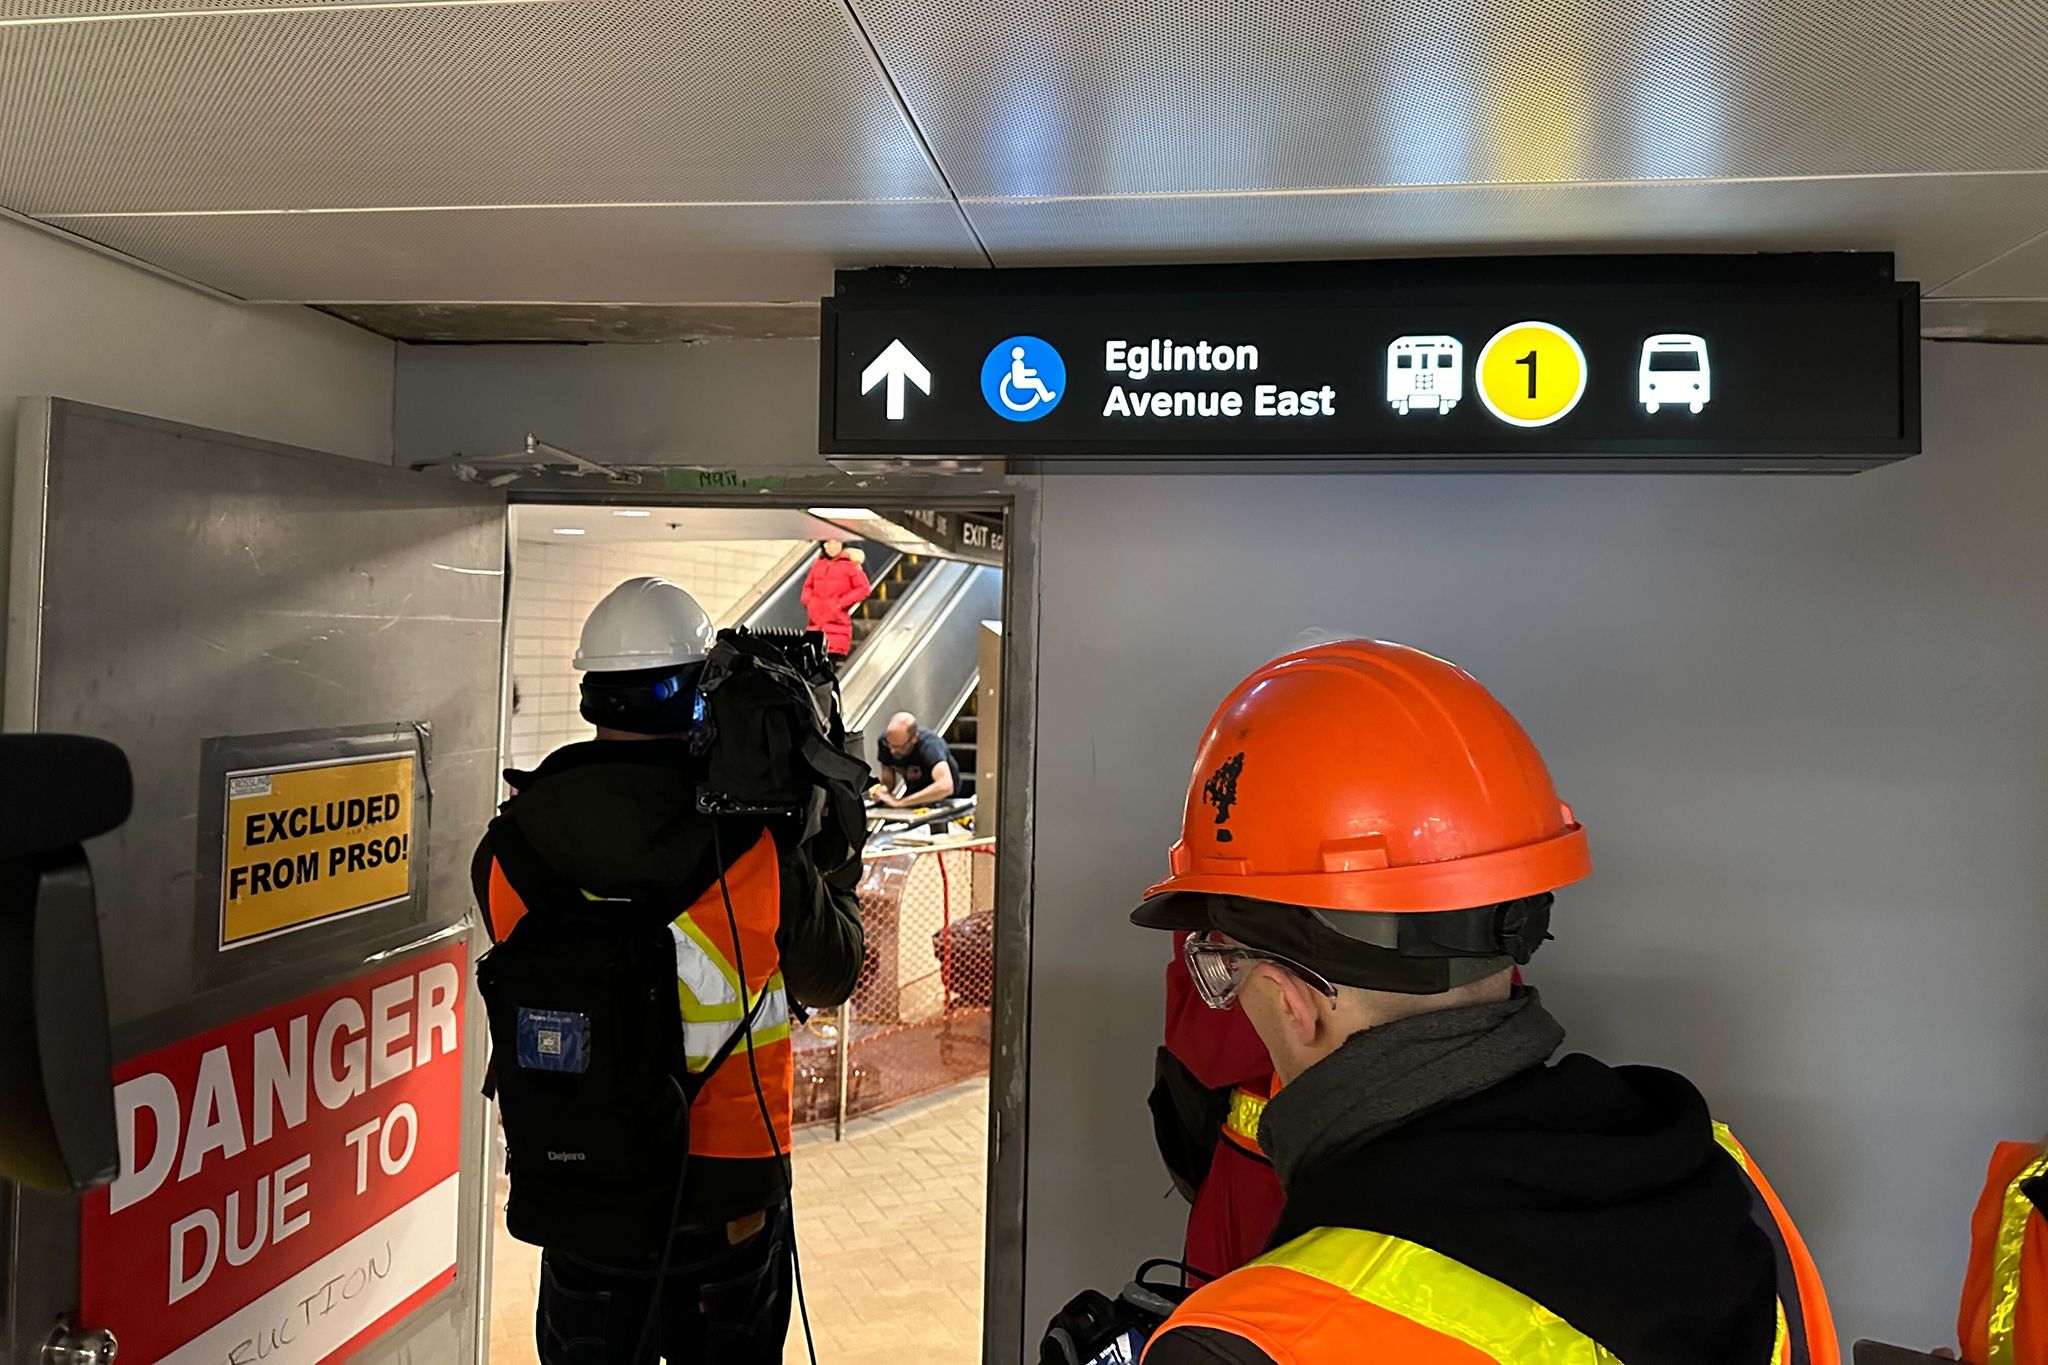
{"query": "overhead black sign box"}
{"type": "Point", "coordinates": [1736, 363]}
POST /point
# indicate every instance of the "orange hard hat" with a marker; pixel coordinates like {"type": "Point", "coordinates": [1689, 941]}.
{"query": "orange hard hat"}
{"type": "Point", "coordinates": [1361, 775]}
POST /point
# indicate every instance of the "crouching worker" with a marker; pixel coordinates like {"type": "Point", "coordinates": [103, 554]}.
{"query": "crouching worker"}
{"type": "Point", "coordinates": [1369, 848]}
{"type": "Point", "coordinates": [640, 995]}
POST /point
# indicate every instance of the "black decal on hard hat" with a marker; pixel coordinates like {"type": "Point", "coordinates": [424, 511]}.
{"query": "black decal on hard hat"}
{"type": "Point", "coordinates": [1220, 791]}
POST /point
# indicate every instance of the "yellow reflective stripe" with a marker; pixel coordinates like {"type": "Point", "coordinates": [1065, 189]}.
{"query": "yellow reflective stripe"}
{"type": "Point", "coordinates": [705, 992]}
{"type": "Point", "coordinates": [1439, 1293]}
{"type": "Point", "coordinates": [714, 1002]}
{"type": "Point", "coordinates": [703, 1038]}
{"type": "Point", "coordinates": [1781, 1351]}
{"type": "Point", "coordinates": [714, 987]}
{"type": "Point", "coordinates": [1246, 1109]}
{"type": "Point", "coordinates": [2005, 1265]}
{"type": "Point", "coordinates": [762, 1037]}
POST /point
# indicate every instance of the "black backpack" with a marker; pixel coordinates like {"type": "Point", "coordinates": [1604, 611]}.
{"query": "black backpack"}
{"type": "Point", "coordinates": [587, 1064]}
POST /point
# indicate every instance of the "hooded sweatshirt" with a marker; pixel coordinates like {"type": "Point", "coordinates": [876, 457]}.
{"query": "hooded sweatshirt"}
{"type": "Point", "coordinates": [1599, 1192]}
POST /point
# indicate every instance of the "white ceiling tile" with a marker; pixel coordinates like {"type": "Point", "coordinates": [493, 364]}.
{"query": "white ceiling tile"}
{"type": "Point", "coordinates": [1940, 226]}
{"type": "Point", "coordinates": [564, 102]}
{"type": "Point", "coordinates": [609, 255]}
{"type": "Point", "coordinates": [1135, 96]}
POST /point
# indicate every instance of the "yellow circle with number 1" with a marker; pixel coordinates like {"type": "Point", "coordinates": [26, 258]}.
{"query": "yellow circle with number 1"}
{"type": "Point", "coordinates": [1531, 374]}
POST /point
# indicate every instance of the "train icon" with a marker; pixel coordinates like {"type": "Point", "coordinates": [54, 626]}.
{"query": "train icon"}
{"type": "Point", "coordinates": [1425, 372]}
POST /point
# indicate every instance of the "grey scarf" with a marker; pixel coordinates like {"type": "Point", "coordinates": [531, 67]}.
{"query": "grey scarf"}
{"type": "Point", "coordinates": [1387, 1075]}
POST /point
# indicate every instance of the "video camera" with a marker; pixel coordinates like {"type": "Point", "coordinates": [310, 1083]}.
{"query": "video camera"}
{"type": "Point", "coordinates": [56, 1073]}
{"type": "Point", "coordinates": [774, 741]}
{"type": "Point", "coordinates": [1094, 1329]}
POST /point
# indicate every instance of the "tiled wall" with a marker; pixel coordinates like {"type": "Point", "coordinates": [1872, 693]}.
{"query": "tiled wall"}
{"type": "Point", "coordinates": [554, 586]}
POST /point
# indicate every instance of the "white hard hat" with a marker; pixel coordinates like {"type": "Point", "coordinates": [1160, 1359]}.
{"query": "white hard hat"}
{"type": "Point", "coordinates": [644, 623]}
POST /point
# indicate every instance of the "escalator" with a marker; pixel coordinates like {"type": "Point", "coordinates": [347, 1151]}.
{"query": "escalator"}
{"type": "Point", "coordinates": [963, 739]}
{"type": "Point", "coordinates": [892, 583]}
{"type": "Point", "coordinates": [889, 569]}
{"type": "Point", "coordinates": [925, 655]}
{"type": "Point", "coordinates": [916, 644]}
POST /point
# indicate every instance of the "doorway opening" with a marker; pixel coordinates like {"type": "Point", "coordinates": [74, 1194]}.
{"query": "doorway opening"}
{"type": "Point", "coordinates": [892, 1093]}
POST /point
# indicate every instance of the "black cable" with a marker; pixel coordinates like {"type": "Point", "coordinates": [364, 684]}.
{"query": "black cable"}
{"type": "Point", "coordinates": [668, 1244]}
{"type": "Point", "coordinates": [739, 954]}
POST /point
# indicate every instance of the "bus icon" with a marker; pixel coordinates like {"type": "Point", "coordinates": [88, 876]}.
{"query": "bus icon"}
{"type": "Point", "coordinates": [1425, 372]}
{"type": "Point", "coordinates": [1674, 371]}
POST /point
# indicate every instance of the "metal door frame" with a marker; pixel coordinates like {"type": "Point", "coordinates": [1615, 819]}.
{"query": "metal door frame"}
{"type": "Point", "coordinates": [1016, 498]}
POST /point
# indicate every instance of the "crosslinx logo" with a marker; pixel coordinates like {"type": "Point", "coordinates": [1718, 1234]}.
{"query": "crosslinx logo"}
{"type": "Point", "coordinates": [1023, 379]}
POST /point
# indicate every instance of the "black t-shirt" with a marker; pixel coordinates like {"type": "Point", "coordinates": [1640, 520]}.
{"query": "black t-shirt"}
{"type": "Point", "coordinates": [927, 752]}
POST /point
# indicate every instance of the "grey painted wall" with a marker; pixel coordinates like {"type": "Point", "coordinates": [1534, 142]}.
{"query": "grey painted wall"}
{"type": "Point", "coordinates": [76, 324]}
{"type": "Point", "coordinates": [79, 325]}
{"type": "Point", "coordinates": [1802, 720]}
{"type": "Point", "coordinates": [726, 405]}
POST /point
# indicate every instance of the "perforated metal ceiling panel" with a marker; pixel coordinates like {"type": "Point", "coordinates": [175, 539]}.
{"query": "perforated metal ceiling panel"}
{"type": "Point", "coordinates": [611, 255]}
{"type": "Point", "coordinates": [575, 101]}
{"type": "Point", "coordinates": [1939, 226]}
{"type": "Point", "coordinates": [733, 151]}
{"type": "Point", "coordinates": [1137, 96]}
{"type": "Point", "coordinates": [583, 322]}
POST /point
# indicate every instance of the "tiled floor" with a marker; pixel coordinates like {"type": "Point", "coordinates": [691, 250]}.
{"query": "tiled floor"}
{"type": "Point", "coordinates": [889, 1223]}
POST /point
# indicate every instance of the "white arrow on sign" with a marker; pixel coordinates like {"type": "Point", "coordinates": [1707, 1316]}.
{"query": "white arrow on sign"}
{"type": "Point", "coordinates": [896, 364]}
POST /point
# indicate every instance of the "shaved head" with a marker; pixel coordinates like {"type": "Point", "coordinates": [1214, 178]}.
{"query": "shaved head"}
{"type": "Point", "coordinates": [902, 730]}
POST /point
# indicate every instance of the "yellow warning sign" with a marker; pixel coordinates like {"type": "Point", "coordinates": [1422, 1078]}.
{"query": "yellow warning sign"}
{"type": "Point", "coordinates": [315, 842]}
{"type": "Point", "coordinates": [1531, 374]}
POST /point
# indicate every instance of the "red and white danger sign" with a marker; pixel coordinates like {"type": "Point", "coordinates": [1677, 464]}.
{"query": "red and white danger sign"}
{"type": "Point", "coordinates": [288, 1181]}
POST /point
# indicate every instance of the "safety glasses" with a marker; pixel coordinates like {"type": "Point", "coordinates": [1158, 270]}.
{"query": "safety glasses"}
{"type": "Point", "coordinates": [1218, 969]}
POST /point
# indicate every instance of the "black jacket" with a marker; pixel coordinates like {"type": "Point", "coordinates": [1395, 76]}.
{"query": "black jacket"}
{"type": "Point", "coordinates": [1597, 1191]}
{"type": "Point", "coordinates": [618, 819]}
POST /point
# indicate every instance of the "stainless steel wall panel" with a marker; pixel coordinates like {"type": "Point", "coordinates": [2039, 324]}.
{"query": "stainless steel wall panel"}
{"type": "Point", "coordinates": [197, 585]}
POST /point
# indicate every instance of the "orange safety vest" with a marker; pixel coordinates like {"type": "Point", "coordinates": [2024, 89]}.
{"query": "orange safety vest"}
{"type": "Point", "coordinates": [1345, 1294]}
{"type": "Point", "coordinates": [1241, 1119]}
{"type": "Point", "coordinates": [2004, 1315]}
{"type": "Point", "coordinates": [725, 1121]}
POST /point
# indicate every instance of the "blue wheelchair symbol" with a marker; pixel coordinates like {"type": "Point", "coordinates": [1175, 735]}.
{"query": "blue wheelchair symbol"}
{"type": "Point", "coordinates": [1023, 379]}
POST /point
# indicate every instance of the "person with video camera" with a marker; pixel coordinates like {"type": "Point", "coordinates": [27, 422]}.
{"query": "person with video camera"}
{"type": "Point", "coordinates": [649, 953]}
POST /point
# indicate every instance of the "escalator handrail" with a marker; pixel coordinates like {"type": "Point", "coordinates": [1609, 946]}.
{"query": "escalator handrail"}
{"type": "Point", "coordinates": [923, 606]}
{"type": "Point", "coordinates": [963, 583]}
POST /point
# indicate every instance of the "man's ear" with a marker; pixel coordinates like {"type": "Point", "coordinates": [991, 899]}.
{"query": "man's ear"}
{"type": "Point", "coordinates": [1301, 1009]}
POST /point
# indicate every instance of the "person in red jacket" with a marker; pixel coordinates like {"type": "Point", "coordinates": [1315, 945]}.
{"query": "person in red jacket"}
{"type": "Point", "coordinates": [835, 585]}
{"type": "Point", "coordinates": [1237, 1198]}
